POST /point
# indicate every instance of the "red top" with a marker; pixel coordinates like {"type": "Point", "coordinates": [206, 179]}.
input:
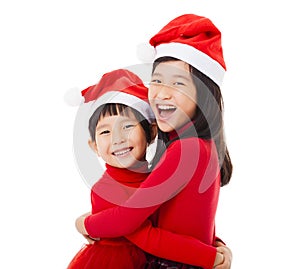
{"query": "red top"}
{"type": "Point", "coordinates": [184, 189]}
{"type": "Point", "coordinates": [116, 186]}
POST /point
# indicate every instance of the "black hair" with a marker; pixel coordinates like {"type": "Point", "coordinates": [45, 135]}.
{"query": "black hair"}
{"type": "Point", "coordinates": [115, 109]}
{"type": "Point", "coordinates": [208, 119]}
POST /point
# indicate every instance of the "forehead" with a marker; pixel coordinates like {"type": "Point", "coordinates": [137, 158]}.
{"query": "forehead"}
{"type": "Point", "coordinates": [109, 119]}
{"type": "Point", "coordinates": [115, 109]}
{"type": "Point", "coordinates": [173, 68]}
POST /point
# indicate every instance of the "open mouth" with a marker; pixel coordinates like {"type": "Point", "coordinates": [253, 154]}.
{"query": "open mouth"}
{"type": "Point", "coordinates": [165, 111]}
{"type": "Point", "coordinates": [122, 152]}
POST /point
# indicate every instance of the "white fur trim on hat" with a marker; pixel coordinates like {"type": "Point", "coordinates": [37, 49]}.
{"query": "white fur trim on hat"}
{"type": "Point", "coordinates": [126, 99]}
{"type": "Point", "coordinates": [194, 57]}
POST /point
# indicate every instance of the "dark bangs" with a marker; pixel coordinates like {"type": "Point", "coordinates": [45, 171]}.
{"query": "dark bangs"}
{"type": "Point", "coordinates": [116, 109]}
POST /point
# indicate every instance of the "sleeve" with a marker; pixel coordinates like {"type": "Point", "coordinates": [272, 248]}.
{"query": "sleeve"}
{"type": "Point", "coordinates": [176, 247]}
{"type": "Point", "coordinates": [170, 176]}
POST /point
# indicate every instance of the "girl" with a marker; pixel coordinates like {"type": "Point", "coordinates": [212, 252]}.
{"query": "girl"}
{"type": "Point", "coordinates": [183, 188]}
{"type": "Point", "coordinates": [120, 128]}
{"type": "Point", "coordinates": [120, 131]}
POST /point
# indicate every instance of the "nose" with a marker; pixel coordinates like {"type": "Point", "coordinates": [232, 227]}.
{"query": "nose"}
{"type": "Point", "coordinates": [163, 92]}
{"type": "Point", "coordinates": [118, 137]}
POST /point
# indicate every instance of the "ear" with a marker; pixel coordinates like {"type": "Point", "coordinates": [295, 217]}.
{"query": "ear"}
{"type": "Point", "coordinates": [153, 131]}
{"type": "Point", "coordinates": [93, 146]}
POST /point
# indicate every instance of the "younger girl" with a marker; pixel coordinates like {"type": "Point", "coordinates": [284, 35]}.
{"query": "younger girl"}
{"type": "Point", "coordinates": [121, 127]}
{"type": "Point", "coordinates": [183, 188]}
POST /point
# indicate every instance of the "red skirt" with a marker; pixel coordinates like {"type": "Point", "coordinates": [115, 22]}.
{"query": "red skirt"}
{"type": "Point", "coordinates": [109, 254]}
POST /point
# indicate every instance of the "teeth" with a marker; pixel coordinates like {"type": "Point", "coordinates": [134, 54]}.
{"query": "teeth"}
{"type": "Point", "coordinates": [121, 152]}
{"type": "Point", "coordinates": [166, 107]}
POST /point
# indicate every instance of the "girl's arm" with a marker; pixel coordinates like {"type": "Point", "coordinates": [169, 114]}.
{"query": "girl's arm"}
{"type": "Point", "coordinates": [175, 247]}
{"type": "Point", "coordinates": [169, 177]}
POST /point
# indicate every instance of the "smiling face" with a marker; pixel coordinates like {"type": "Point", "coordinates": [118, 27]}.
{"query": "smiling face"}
{"type": "Point", "coordinates": [172, 95]}
{"type": "Point", "coordinates": [120, 141]}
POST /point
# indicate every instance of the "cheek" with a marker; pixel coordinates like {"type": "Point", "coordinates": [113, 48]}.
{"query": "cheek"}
{"type": "Point", "coordinates": [139, 137]}
{"type": "Point", "coordinates": [152, 92]}
{"type": "Point", "coordinates": [101, 147]}
{"type": "Point", "coordinates": [142, 147]}
{"type": "Point", "coordinates": [194, 95]}
{"type": "Point", "coordinates": [151, 98]}
{"type": "Point", "coordinates": [99, 151]}
{"type": "Point", "coordinates": [194, 98]}
{"type": "Point", "coordinates": [191, 95]}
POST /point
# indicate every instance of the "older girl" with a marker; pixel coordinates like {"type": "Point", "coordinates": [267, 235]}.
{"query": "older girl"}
{"type": "Point", "coordinates": [183, 188]}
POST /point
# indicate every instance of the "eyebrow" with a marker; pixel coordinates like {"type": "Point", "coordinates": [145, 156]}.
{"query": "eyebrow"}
{"type": "Point", "coordinates": [102, 126]}
{"type": "Point", "coordinates": [182, 77]}
{"type": "Point", "coordinates": [156, 74]}
{"type": "Point", "coordinates": [107, 125]}
{"type": "Point", "coordinates": [174, 76]}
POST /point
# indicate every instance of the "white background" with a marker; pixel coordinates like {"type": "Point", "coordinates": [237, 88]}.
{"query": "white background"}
{"type": "Point", "coordinates": [48, 47]}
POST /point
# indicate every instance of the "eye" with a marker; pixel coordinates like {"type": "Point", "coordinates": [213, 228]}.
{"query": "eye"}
{"type": "Point", "coordinates": [104, 132]}
{"type": "Point", "coordinates": [177, 83]}
{"type": "Point", "coordinates": [128, 126]}
{"type": "Point", "coordinates": [155, 81]}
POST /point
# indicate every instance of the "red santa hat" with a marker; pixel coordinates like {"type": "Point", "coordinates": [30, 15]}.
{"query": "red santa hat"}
{"type": "Point", "coordinates": [193, 39]}
{"type": "Point", "coordinates": [118, 86]}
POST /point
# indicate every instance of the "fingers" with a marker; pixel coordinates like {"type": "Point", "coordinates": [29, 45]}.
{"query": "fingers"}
{"type": "Point", "coordinates": [79, 223]}
{"type": "Point", "coordinates": [227, 257]}
{"type": "Point", "coordinates": [225, 265]}
{"type": "Point", "coordinates": [89, 239]}
{"type": "Point", "coordinates": [219, 244]}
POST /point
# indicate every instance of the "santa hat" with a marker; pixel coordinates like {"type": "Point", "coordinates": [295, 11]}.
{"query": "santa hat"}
{"type": "Point", "coordinates": [118, 86]}
{"type": "Point", "coordinates": [193, 39]}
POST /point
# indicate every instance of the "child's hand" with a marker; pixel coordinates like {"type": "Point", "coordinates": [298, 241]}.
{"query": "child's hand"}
{"type": "Point", "coordinates": [89, 239]}
{"type": "Point", "coordinates": [227, 254]}
{"type": "Point", "coordinates": [79, 223]}
{"type": "Point", "coordinates": [219, 259]}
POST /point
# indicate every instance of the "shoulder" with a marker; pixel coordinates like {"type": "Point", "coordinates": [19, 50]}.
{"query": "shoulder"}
{"type": "Point", "coordinates": [188, 151]}
{"type": "Point", "coordinates": [192, 144]}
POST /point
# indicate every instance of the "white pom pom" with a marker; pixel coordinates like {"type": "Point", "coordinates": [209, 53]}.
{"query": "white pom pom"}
{"type": "Point", "coordinates": [145, 52]}
{"type": "Point", "coordinates": [73, 97]}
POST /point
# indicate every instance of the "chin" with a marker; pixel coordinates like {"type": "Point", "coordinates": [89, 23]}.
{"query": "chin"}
{"type": "Point", "coordinates": [165, 127]}
{"type": "Point", "coordinates": [127, 163]}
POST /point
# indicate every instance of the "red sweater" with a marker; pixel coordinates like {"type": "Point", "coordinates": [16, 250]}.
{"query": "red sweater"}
{"type": "Point", "coordinates": [115, 187]}
{"type": "Point", "coordinates": [183, 190]}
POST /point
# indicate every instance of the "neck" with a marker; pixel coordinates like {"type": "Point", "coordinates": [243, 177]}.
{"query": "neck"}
{"type": "Point", "coordinates": [139, 167]}
{"type": "Point", "coordinates": [180, 131]}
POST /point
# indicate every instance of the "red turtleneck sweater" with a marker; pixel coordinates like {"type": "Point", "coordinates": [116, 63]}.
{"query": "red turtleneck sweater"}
{"type": "Point", "coordinates": [183, 190]}
{"type": "Point", "coordinates": [116, 186]}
